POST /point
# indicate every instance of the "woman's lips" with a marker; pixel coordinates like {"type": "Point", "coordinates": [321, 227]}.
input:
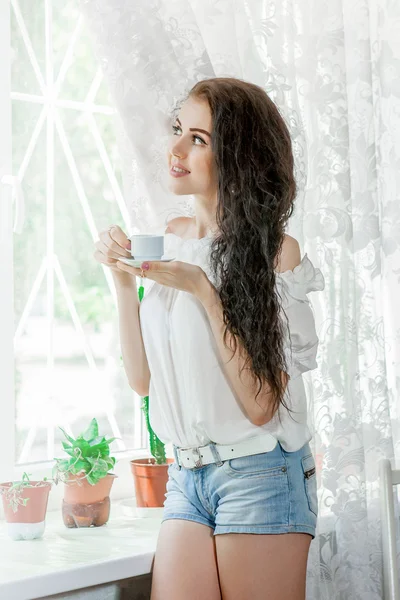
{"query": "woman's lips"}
{"type": "Point", "coordinates": [177, 173]}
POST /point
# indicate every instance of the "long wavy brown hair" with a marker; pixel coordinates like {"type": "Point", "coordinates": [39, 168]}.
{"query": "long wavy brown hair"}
{"type": "Point", "coordinates": [256, 191]}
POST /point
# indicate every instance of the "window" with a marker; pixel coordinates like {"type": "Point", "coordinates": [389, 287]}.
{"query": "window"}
{"type": "Point", "coordinates": [59, 344]}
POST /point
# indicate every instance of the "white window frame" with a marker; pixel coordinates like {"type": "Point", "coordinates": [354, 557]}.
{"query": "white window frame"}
{"type": "Point", "coordinates": [7, 388]}
{"type": "Point", "coordinates": [9, 470]}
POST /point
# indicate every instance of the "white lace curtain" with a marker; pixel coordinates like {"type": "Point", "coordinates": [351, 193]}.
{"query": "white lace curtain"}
{"type": "Point", "coordinates": [333, 69]}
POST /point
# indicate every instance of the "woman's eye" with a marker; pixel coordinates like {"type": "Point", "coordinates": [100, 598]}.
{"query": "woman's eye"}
{"type": "Point", "coordinates": [196, 137]}
{"type": "Point", "coordinates": [177, 129]}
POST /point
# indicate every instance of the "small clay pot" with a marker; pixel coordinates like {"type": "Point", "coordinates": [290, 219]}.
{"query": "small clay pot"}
{"type": "Point", "coordinates": [150, 481]}
{"type": "Point", "coordinates": [86, 505]}
{"type": "Point", "coordinates": [28, 522]}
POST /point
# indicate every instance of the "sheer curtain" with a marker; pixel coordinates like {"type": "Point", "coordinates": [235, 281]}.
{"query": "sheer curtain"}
{"type": "Point", "coordinates": [333, 69]}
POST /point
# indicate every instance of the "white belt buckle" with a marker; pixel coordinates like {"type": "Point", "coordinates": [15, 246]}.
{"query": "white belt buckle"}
{"type": "Point", "coordinates": [197, 458]}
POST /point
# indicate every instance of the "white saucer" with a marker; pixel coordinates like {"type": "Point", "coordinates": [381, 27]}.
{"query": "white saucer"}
{"type": "Point", "coordinates": [133, 262]}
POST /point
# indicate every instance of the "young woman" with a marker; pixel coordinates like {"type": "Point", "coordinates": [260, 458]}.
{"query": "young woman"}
{"type": "Point", "coordinates": [219, 343]}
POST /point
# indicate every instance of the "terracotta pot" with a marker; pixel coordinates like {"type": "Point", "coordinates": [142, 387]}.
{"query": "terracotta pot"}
{"type": "Point", "coordinates": [150, 481]}
{"type": "Point", "coordinates": [28, 522]}
{"type": "Point", "coordinates": [86, 505]}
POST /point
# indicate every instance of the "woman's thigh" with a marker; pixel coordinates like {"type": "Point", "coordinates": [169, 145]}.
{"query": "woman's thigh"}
{"type": "Point", "coordinates": [185, 562]}
{"type": "Point", "coordinates": [262, 567]}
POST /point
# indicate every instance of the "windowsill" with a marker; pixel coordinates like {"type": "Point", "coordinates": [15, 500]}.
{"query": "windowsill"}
{"type": "Point", "coordinates": [71, 559]}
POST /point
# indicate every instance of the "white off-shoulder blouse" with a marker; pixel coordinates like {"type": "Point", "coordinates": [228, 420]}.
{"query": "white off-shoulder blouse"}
{"type": "Point", "coordinates": [190, 397]}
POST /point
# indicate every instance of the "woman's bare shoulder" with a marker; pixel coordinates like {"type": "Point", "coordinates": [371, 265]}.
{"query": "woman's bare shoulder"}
{"type": "Point", "coordinates": [180, 226]}
{"type": "Point", "coordinates": [290, 255]}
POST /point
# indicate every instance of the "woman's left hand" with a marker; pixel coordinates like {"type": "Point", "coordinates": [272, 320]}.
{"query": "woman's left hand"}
{"type": "Point", "coordinates": [179, 275]}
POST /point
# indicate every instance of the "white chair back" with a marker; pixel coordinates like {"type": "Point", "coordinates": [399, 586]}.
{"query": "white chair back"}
{"type": "Point", "coordinates": [388, 478]}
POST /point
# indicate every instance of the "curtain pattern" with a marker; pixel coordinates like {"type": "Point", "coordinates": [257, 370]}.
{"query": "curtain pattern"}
{"type": "Point", "coordinates": [333, 70]}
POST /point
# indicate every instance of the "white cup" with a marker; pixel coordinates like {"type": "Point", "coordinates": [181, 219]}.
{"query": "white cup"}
{"type": "Point", "coordinates": [147, 246]}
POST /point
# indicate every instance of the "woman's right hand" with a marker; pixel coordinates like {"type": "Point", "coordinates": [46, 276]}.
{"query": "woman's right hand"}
{"type": "Point", "coordinates": [111, 246]}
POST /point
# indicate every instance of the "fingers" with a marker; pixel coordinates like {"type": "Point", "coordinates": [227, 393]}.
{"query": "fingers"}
{"type": "Point", "coordinates": [129, 269]}
{"type": "Point", "coordinates": [115, 243]}
{"type": "Point", "coordinates": [99, 256]}
{"type": "Point", "coordinates": [112, 245]}
{"type": "Point", "coordinates": [115, 237]}
{"type": "Point", "coordinates": [107, 251]}
{"type": "Point", "coordinates": [166, 267]}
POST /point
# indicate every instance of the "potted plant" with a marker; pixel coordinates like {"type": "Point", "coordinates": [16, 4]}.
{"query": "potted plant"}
{"type": "Point", "coordinates": [86, 477]}
{"type": "Point", "coordinates": [25, 506]}
{"type": "Point", "coordinates": [150, 474]}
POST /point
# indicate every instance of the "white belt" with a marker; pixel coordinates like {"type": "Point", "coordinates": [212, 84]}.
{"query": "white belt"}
{"type": "Point", "coordinates": [196, 457]}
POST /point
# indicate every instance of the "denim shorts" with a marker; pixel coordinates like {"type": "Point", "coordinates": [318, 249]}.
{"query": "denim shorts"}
{"type": "Point", "coordinates": [271, 492]}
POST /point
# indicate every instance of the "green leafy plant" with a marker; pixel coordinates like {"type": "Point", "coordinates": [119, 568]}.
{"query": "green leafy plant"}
{"type": "Point", "coordinates": [13, 493]}
{"type": "Point", "coordinates": [89, 456]}
{"type": "Point", "coordinates": [157, 448]}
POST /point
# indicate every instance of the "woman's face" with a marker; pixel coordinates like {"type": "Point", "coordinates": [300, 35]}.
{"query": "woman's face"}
{"type": "Point", "coordinates": [190, 148]}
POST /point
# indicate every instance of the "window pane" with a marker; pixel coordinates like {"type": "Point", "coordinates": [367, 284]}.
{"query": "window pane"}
{"type": "Point", "coordinates": [67, 354]}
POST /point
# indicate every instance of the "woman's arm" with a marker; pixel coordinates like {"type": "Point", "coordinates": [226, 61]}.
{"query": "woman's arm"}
{"type": "Point", "coordinates": [243, 385]}
{"type": "Point", "coordinates": [133, 352]}
{"type": "Point", "coordinates": [132, 347]}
